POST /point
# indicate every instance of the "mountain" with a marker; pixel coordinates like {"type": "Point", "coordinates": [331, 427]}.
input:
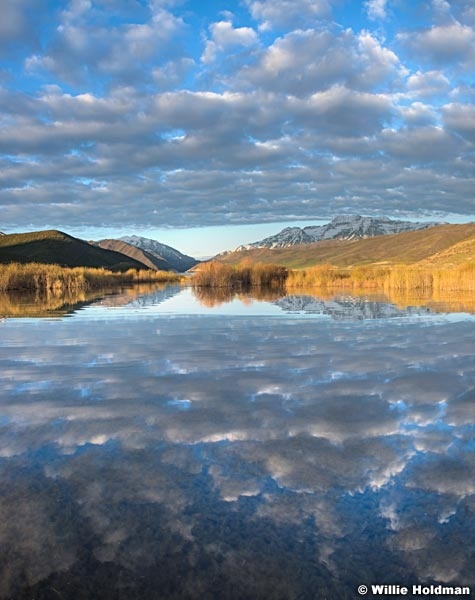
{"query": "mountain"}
{"type": "Point", "coordinates": [340, 228]}
{"type": "Point", "coordinates": [441, 246]}
{"type": "Point", "coordinates": [56, 247]}
{"type": "Point", "coordinates": [148, 260]}
{"type": "Point", "coordinates": [178, 261]}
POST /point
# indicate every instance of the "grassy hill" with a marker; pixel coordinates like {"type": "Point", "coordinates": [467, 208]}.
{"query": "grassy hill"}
{"type": "Point", "coordinates": [440, 246]}
{"type": "Point", "coordinates": [56, 247]}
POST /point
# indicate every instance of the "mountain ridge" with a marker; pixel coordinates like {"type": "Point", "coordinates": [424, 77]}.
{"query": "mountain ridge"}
{"type": "Point", "coordinates": [52, 246]}
{"type": "Point", "coordinates": [178, 261]}
{"type": "Point", "coordinates": [343, 227]}
{"type": "Point", "coordinates": [445, 245]}
{"type": "Point", "coordinates": [148, 260]}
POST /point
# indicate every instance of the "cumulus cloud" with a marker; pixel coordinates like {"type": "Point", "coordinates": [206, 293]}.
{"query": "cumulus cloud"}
{"type": "Point", "coordinates": [460, 118]}
{"type": "Point", "coordinates": [428, 84]}
{"type": "Point", "coordinates": [224, 36]}
{"type": "Point", "coordinates": [418, 114]}
{"type": "Point", "coordinates": [270, 112]}
{"type": "Point", "coordinates": [443, 45]}
{"type": "Point", "coordinates": [420, 145]}
{"type": "Point", "coordinates": [306, 61]}
{"type": "Point", "coordinates": [275, 14]}
{"type": "Point", "coordinates": [82, 51]}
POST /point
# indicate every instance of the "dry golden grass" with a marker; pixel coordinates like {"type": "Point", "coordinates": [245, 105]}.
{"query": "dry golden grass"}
{"type": "Point", "coordinates": [370, 277]}
{"type": "Point", "coordinates": [216, 275]}
{"type": "Point", "coordinates": [33, 276]}
{"type": "Point", "coordinates": [413, 278]}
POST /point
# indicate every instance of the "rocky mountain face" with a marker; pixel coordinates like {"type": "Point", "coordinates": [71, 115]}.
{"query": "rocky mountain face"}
{"type": "Point", "coordinates": [177, 261]}
{"type": "Point", "coordinates": [342, 227]}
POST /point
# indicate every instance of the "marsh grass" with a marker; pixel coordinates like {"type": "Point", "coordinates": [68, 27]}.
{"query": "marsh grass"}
{"type": "Point", "coordinates": [372, 277]}
{"type": "Point", "coordinates": [412, 278]}
{"type": "Point", "coordinates": [243, 276]}
{"type": "Point", "coordinates": [35, 276]}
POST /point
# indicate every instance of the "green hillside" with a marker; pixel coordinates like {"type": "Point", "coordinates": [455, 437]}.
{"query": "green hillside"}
{"type": "Point", "coordinates": [56, 247]}
{"type": "Point", "coordinates": [443, 245]}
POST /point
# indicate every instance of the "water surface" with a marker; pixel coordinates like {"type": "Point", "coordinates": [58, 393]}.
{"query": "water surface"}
{"type": "Point", "coordinates": [153, 446]}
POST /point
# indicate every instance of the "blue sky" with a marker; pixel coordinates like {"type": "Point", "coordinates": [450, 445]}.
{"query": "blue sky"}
{"type": "Point", "coordinates": [199, 120]}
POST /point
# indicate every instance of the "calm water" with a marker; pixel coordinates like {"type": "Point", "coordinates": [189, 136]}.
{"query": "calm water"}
{"type": "Point", "coordinates": [157, 446]}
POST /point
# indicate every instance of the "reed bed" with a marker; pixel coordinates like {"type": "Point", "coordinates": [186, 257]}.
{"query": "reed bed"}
{"type": "Point", "coordinates": [371, 277]}
{"type": "Point", "coordinates": [413, 278]}
{"type": "Point", "coordinates": [219, 275]}
{"type": "Point", "coordinates": [34, 276]}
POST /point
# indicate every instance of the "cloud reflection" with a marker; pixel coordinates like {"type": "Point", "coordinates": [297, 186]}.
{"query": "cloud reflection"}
{"type": "Point", "coordinates": [201, 437]}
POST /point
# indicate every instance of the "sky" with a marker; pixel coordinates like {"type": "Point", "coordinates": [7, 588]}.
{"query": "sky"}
{"type": "Point", "coordinates": [197, 121]}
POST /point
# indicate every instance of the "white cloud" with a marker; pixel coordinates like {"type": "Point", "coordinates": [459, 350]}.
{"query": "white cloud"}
{"type": "Point", "coordinates": [427, 84]}
{"type": "Point", "coordinates": [345, 111]}
{"type": "Point", "coordinates": [441, 7]}
{"type": "Point", "coordinates": [460, 118]}
{"type": "Point", "coordinates": [86, 47]}
{"type": "Point", "coordinates": [303, 62]}
{"type": "Point", "coordinates": [225, 37]}
{"type": "Point", "coordinates": [445, 45]}
{"type": "Point", "coordinates": [376, 9]}
{"type": "Point", "coordinates": [421, 145]}
{"type": "Point", "coordinates": [293, 116]}
{"type": "Point", "coordinates": [418, 114]}
{"type": "Point", "coordinates": [378, 63]}
{"type": "Point", "coordinates": [275, 14]}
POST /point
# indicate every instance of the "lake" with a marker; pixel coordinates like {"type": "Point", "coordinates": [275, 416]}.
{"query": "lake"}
{"type": "Point", "coordinates": [165, 444]}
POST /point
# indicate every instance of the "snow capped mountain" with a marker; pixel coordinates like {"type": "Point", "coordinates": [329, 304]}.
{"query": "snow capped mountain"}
{"type": "Point", "coordinates": [178, 261]}
{"type": "Point", "coordinates": [341, 227]}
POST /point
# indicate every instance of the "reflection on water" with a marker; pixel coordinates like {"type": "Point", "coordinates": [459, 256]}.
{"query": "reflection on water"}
{"type": "Point", "coordinates": [251, 457]}
{"type": "Point", "coordinates": [211, 297]}
{"type": "Point", "coordinates": [58, 303]}
{"type": "Point", "coordinates": [351, 305]}
{"type": "Point", "coordinates": [348, 307]}
{"type": "Point", "coordinates": [317, 301]}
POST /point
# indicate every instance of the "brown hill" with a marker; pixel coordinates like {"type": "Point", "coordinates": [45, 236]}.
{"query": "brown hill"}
{"type": "Point", "coordinates": [444, 245]}
{"type": "Point", "coordinates": [147, 259]}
